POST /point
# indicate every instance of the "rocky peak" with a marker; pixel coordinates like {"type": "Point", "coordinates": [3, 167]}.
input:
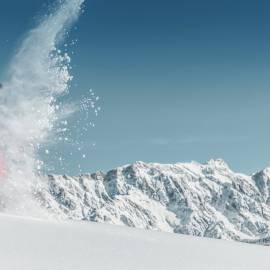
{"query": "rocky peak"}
{"type": "Point", "coordinates": [262, 182]}
{"type": "Point", "coordinates": [218, 164]}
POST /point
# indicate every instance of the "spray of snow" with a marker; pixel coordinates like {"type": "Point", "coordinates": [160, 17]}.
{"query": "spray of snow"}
{"type": "Point", "coordinates": [37, 75]}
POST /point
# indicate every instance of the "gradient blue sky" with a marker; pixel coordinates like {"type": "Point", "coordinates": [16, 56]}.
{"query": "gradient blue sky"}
{"type": "Point", "coordinates": [178, 80]}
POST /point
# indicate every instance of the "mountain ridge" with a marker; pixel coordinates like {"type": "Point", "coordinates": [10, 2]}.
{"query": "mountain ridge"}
{"type": "Point", "coordinates": [207, 199]}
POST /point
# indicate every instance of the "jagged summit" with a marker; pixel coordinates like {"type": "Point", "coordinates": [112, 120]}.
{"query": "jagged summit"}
{"type": "Point", "coordinates": [218, 163]}
{"type": "Point", "coordinates": [191, 198]}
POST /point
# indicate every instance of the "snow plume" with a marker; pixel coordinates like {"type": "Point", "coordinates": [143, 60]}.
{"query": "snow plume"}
{"type": "Point", "coordinates": [37, 75]}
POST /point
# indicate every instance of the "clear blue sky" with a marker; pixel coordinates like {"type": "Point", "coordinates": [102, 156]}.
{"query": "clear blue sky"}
{"type": "Point", "coordinates": [178, 80]}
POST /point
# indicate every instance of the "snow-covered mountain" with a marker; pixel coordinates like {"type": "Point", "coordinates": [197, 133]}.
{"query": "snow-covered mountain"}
{"type": "Point", "coordinates": [189, 198]}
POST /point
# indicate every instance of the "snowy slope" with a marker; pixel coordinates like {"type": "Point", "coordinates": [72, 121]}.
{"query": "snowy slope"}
{"type": "Point", "coordinates": [31, 244]}
{"type": "Point", "coordinates": [189, 198]}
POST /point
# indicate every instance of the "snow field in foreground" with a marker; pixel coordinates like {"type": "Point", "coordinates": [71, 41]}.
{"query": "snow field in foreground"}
{"type": "Point", "coordinates": [39, 245]}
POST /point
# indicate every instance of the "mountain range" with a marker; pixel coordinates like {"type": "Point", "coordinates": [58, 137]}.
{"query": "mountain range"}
{"type": "Point", "coordinates": [208, 200]}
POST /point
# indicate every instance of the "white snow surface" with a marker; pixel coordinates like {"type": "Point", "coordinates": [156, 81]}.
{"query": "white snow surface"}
{"type": "Point", "coordinates": [39, 245]}
{"type": "Point", "coordinates": [207, 200]}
